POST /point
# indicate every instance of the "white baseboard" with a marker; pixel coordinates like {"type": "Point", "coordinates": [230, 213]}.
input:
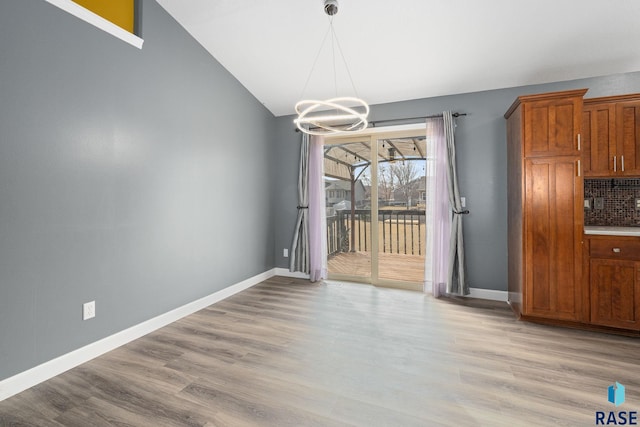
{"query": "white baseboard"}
{"type": "Point", "coordinates": [489, 294]}
{"type": "Point", "coordinates": [27, 379]}
{"type": "Point", "coordinates": [286, 273]}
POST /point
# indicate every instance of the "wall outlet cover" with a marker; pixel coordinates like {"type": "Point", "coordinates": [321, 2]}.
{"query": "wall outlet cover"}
{"type": "Point", "coordinates": [88, 310]}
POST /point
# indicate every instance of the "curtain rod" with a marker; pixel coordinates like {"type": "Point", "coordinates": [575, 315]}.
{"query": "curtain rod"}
{"type": "Point", "coordinates": [375, 122]}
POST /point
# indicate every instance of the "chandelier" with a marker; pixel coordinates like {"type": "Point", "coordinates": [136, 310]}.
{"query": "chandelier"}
{"type": "Point", "coordinates": [336, 115]}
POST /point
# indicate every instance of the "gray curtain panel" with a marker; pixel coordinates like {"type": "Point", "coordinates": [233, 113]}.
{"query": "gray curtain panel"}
{"type": "Point", "coordinates": [456, 280]}
{"type": "Point", "coordinates": [299, 257]}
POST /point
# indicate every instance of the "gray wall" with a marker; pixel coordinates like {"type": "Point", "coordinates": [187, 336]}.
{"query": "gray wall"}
{"type": "Point", "coordinates": [145, 179]}
{"type": "Point", "coordinates": [137, 178]}
{"type": "Point", "coordinates": [481, 154]}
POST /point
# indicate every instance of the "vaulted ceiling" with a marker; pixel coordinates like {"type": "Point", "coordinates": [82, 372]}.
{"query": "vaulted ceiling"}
{"type": "Point", "coordinates": [407, 49]}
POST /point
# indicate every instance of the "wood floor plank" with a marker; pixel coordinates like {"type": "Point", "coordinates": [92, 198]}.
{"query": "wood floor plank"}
{"type": "Point", "coordinates": [261, 411]}
{"type": "Point", "coordinates": [290, 352]}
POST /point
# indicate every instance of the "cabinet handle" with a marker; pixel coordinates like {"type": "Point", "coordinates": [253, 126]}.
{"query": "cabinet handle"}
{"type": "Point", "coordinates": [622, 161]}
{"type": "Point", "coordinates": [578, 167]}
{"type": "Point", "coordinates": [615, 163]}
{"type": "Point", "coordinates": [616, 250]}
{"type": "Point", "coordinates": [578, 142]}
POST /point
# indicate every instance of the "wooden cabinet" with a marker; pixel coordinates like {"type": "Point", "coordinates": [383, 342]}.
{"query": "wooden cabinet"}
{"type": "Point", "coordinates": [614, 282]}
{"type": "Point", "coordinates": [545, 205]}
{"type": "Point", "coordinates": [628, 137]}
{"type": "Point", "coordinates": [552, 241]}
{"type": "Point", "coordinates": [598, 138]}
{"type": "Point", "coordinates": [611, 136]}
{"type": "Point", "coordinates": [551, 126]}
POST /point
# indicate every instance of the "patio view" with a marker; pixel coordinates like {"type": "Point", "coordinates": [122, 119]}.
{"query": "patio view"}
{"type": "Point", "coordinates": [401, 248]}
{"type": "Point", "coordinates": [400, 220]}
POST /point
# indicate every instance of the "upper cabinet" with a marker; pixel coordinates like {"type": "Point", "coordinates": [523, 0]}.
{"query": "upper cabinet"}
{"type": "Point", "coordinates": [551, 124]}
{"type": "Point", "coordinates": [611, 136]}
{"type": "Point", "coordinates": [628, 136]}
{"type": "Point", "coordinates": [598, 137]}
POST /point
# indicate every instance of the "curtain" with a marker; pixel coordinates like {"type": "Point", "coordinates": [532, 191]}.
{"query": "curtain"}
{"type": "Point", "coordinates": [299, 260]}
{"type": "Point", "coordinates": [444, 261]}
{"type": "Point", "coordinates": [317, 211]}
{"type": "Point", "coordinates": [456, 277]}
{"type": "Point", "coordinates": [438, 213]}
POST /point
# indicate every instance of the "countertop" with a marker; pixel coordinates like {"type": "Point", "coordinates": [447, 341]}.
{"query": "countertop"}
{"type": "Point", "coordinates": [612, 231]}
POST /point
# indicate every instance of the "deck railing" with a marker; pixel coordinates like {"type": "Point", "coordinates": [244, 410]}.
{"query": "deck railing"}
{"type": "Point", "coordinates": [400, 231]}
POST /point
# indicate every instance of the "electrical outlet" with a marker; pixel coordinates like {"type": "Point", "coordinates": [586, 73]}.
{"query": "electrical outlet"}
{"type": "Point", "coordinates": [637, 203]}
{"type": "Point", "coordinates": [285, 253]}
{"type": "Point", "coordinates": [598, 203]}
{"type": "Point", "coordinates": [88, 310]}
{"type": "Point", "coordinates": [463, 202]}
{"type": "Point", "coordinates": [587, 203]}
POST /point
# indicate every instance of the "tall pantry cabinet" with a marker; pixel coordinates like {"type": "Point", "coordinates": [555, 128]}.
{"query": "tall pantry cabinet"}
{"type": "Point", "coordinates": [545, 198]}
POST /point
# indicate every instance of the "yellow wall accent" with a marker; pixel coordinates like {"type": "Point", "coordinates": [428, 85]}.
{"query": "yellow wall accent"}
{"type": "Point", "coordinates": [120, 12]}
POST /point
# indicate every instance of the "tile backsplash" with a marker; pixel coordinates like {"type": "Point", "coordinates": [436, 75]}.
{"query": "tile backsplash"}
{"type": "Point", "coordinates": [618, 197]}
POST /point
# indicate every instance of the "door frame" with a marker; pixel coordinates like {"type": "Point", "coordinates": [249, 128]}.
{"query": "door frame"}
{"type": "Point", "coordinates": [374, 135]}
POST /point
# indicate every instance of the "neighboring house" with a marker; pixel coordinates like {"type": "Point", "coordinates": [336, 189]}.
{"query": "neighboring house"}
{"type": "Point", "coordinates": [338, 190]}
{"type": "Point", "coordinates": [422, 191]}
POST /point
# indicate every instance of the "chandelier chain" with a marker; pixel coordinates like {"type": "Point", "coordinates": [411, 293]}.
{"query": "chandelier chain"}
{"type": "Point", "coordinates": [333, 55]}
{"type": "Point", "coordinates": [315, 61]}
{"type": "Point", "coordinates": [346, 66]}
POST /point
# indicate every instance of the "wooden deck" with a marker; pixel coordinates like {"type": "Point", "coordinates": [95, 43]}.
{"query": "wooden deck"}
{"type": "Point", "coordinates": [407, 268]}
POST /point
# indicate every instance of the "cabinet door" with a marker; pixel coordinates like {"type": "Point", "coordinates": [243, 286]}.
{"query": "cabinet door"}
{"type": "Point", "coordinates": [551, 127]}
{"type": "Point", "coordinates": [615, 295]}
{"type": "Point", "coordinates": [628, 138]}
{"type": "Point", "coordinates": [598, 139]}
{"type": "Point", "coordinates": [553, 238]}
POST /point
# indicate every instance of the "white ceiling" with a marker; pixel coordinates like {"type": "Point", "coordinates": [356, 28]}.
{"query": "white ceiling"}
{"type": "Point", "coordinates": [408, 49]}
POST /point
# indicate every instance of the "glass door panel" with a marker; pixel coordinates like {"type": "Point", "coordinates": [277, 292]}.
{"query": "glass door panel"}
{"type": "Point", "coordinates": [347, 181]}
{"type": "Point", "coordinates": [401, 208]}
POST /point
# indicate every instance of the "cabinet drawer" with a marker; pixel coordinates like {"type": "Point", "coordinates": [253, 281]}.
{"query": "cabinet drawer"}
{"type": "Point", "coordinates": [612, 249]}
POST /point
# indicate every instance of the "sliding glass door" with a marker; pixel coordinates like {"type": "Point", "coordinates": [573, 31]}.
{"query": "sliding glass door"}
{"type": "Point", "coordinates": [347, 168]}
{"type": "Point", "coordinates": [401, 208]}
{"type": "Point", "coordinates": [375, 201]}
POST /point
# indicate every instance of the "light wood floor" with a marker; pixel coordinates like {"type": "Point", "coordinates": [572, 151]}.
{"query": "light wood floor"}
{"type": "Point", "coordinates": [291, 353]}
{"type": "Point", "coordinates": [409, 268]}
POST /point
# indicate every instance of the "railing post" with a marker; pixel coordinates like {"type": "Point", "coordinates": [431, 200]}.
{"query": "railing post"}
{"type": "Point", "coordinates": [365, 232]}
{"type": "Point", "coordinates": [420, 235]}
{"type": "Point", "coordinates": [397, 233]}
{"type": "Point", "coordinates": [360, 236]}
{"type": "Point", "coordinates": [404, 224]}
{"type": "Point", "coordinates": [412, 241]}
